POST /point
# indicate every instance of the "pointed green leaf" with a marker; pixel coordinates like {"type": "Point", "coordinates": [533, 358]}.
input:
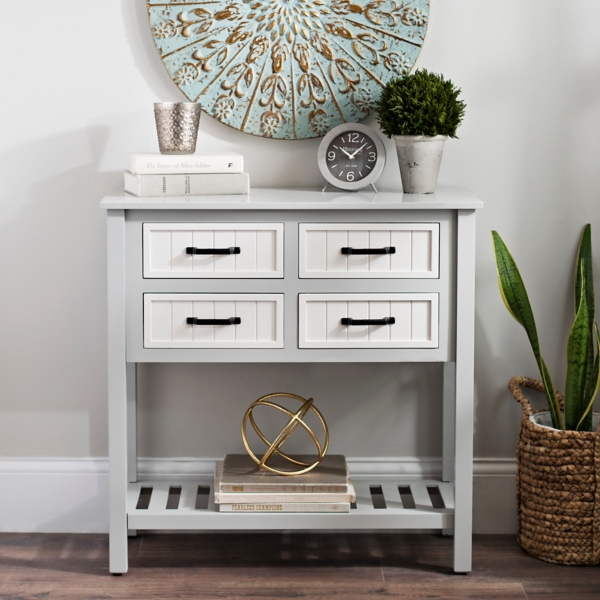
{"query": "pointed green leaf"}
{"type": "Point", "coordinates": [584, 283]}
{"type": "Point", "coordinates": [585, 423]}
{"type": "Point", "coordinates": [553, 404]}
{"type": "Point", "coordinates": [584, 275]}
{"type": "Point", "coordinates": [515, 297]}
{"type": "Point", "coordinates": [577, 364]}
{"type": "Point", "coordinates": [513, 291]}
{"type": "Point", "coordinates": [590, 381]}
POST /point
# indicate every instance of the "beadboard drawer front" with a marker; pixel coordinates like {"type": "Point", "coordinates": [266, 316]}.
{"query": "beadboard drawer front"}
{"type": "Point", "coordinates": [416, 320]}
{"type": "Point", "coordinates": [413, 250]}
{"type": "Point", "coordinates": [166, 320]}
{"type": "Point", "coordinates": [258, 250]}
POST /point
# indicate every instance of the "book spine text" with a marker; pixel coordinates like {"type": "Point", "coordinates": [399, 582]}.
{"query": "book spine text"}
{"type": "Point", "coordinates": [287, 507]}
{"type": "Point", "coordinates": [283, 489]}
{"type": "Point", "coordinates": [150, 165]}
{"type": "Point", "coordinates": [186, 185]}
{"type": "Point", "coordinates": [241, 498]}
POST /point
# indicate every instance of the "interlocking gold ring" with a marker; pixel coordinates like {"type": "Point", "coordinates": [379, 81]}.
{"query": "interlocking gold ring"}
{"type": "Point", "coordinates": [275, 446]}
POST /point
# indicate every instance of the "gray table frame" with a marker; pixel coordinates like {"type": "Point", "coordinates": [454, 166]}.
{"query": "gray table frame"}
{"type": "Point", "coordinates": [456, 213]}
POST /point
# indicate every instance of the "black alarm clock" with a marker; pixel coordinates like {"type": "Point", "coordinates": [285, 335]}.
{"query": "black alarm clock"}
{"type": "Point", "coordinates": [351, 156]}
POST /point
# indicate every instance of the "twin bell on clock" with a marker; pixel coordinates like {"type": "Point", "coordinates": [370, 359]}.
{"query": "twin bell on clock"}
{"type": "Point", "coordinates": [351, 156]}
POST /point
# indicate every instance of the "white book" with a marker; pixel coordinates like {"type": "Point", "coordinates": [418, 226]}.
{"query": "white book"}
{"type": "Point", "coordinates": [291, 507]}
{"type": "Point", "coordinates": [181, 184]}
{"type": "Point", "coordinates": [279, 497]}
{"type": "Point", "coordinates": [161, 164]}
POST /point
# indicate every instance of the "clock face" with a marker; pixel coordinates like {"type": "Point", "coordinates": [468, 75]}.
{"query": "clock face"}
{"type": "Point", "coordinates": [351, 156]}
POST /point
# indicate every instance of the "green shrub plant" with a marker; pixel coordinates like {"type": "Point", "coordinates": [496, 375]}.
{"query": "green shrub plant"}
{"type": "Point", "coordinates": [421, 103]}
{"type": "Point", "coordinates": [583, 360]}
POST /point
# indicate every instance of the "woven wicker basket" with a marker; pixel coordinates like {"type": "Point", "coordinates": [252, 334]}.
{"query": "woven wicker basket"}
{"type": "Point", "coordinates": [558, 488]}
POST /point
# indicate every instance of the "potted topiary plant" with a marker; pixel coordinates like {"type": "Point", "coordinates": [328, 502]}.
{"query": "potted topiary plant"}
{"type": "Point", "coordinates": [558, 450]}
{"type": "Point", "coordinates": [420, 111]}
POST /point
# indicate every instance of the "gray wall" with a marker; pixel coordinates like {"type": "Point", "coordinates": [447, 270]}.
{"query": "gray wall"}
{"type": "Point", "coordinates": [81, 82]}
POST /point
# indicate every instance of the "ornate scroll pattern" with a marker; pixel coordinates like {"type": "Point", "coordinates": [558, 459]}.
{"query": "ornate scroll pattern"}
{"type": "Point", "coordinates": [287, 69]}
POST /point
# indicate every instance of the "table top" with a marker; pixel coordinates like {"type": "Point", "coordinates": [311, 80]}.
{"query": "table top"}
{"type": "Point", "coordinates": [302, 199]}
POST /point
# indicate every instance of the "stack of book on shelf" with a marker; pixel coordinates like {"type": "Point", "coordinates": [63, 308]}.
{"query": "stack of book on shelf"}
{"type": "Point", "coordinates": [186, 174]}
{"type": "Point", "coordinates": [240, 486]}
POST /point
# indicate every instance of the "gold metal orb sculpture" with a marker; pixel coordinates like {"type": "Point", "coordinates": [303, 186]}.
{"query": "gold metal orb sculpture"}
{"type": "Point", "coordinates": [274, 448]}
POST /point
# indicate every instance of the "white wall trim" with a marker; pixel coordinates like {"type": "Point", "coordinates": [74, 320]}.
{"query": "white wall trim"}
{"type": "Point", "coordinates": [71, 494]}
{"type": "Point", "coordinates": [53, 465]}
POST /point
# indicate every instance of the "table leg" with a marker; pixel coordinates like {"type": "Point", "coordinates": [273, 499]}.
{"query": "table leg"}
{"type": "Point", "coordinates": [117, 393]}
{"type": "Point", "coordinates": [449, 406]}
{"type": "Point", "coordinates": [131, 423]}
{"type": "Point", "coordinates": [465, 325]}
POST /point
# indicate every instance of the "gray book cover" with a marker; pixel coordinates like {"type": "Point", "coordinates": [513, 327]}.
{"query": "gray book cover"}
{"type": "Point", "coordinates": [242, 474]}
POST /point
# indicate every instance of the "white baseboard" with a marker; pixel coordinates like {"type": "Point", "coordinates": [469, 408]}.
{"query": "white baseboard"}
{"type": "Point", "coordinates": [71, 495]}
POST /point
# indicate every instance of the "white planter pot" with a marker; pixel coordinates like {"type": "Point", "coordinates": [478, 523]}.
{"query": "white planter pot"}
{"type": "Point", "coordinates": [544, 419]}
{"type": "Point", "coordinates": [420, 159]}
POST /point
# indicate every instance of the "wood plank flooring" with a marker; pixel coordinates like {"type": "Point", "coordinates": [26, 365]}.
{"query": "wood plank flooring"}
{"type": "Point", "coordinates": [269, 566]}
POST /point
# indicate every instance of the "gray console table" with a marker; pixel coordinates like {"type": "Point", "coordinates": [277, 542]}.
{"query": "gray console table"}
{"type": "Point", "coordinates": [287, 275]}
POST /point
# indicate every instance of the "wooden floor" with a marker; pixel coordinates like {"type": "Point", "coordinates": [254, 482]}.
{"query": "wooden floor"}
{"type": "Point", "coordinates": [289, 566]}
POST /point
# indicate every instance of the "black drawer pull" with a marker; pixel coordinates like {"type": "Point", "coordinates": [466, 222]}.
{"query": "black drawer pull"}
{"type": "Point", "coordinates": [230, 321]}
{"type": "Point", "coordinates": [385, 250]}
{"type": "Point", "coordinates": [384, 321]}
{"type": "Point", "coordinates": [232, 250]}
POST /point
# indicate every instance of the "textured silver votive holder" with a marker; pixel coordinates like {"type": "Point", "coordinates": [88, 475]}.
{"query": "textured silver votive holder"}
{"type": "Point", "coordinates": [177, 126]}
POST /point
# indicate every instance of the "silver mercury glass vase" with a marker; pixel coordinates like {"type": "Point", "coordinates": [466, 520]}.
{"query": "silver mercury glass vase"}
{"type": "Point", "coordinates": [177, 126]}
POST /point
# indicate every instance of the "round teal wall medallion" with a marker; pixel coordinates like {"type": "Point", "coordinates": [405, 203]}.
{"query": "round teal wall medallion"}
{"type": "Point", "coordinates": [287, 69]}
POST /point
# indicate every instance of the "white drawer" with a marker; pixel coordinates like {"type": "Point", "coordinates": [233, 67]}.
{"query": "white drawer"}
{"type": "Point", "coordinates": [339, 250]}
{"type": "Point", "coordinates": [258, 320]}
{"type": "Point", "coordinates": [415, 315]}
{"type": "Point", "coordinates": [179, 250]}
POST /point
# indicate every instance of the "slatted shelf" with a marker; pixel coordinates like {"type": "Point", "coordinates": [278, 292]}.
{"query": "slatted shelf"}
{"type": "Point", "coordinates": [395, 515]}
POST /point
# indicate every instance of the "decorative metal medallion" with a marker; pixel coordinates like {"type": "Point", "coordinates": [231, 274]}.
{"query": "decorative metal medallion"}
{"type": "Point", "coordinates": [287, 69]}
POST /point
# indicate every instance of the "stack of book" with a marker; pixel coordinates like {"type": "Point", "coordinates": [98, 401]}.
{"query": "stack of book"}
{"type": "Point", "coordinates": [186, 174]}
{"type": "Point", "coordinates": [240, 486]}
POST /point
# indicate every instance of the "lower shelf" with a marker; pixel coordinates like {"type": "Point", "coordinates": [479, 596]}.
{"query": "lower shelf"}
{"type": "Point", "coordinates": [381, 503]}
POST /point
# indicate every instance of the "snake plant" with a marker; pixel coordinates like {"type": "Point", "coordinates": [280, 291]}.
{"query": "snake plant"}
{"type": "Point", "coordinates": [583, 358]}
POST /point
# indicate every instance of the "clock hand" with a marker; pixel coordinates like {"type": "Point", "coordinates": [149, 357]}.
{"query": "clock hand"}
{"type": "Point", "coordinates": [357, 151]}
{"type": "Point", "coordinates": [346, 153]}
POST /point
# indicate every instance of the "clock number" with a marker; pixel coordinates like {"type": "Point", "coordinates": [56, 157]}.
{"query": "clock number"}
{"type": "Point", "coordinates": [331, 155]}
{"type": "Point", "coordinates": [350, 176]}
{"type": "Point", "coordinates": [354, 138]}
{"type": "Point", "coordinates": [371, 156]}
